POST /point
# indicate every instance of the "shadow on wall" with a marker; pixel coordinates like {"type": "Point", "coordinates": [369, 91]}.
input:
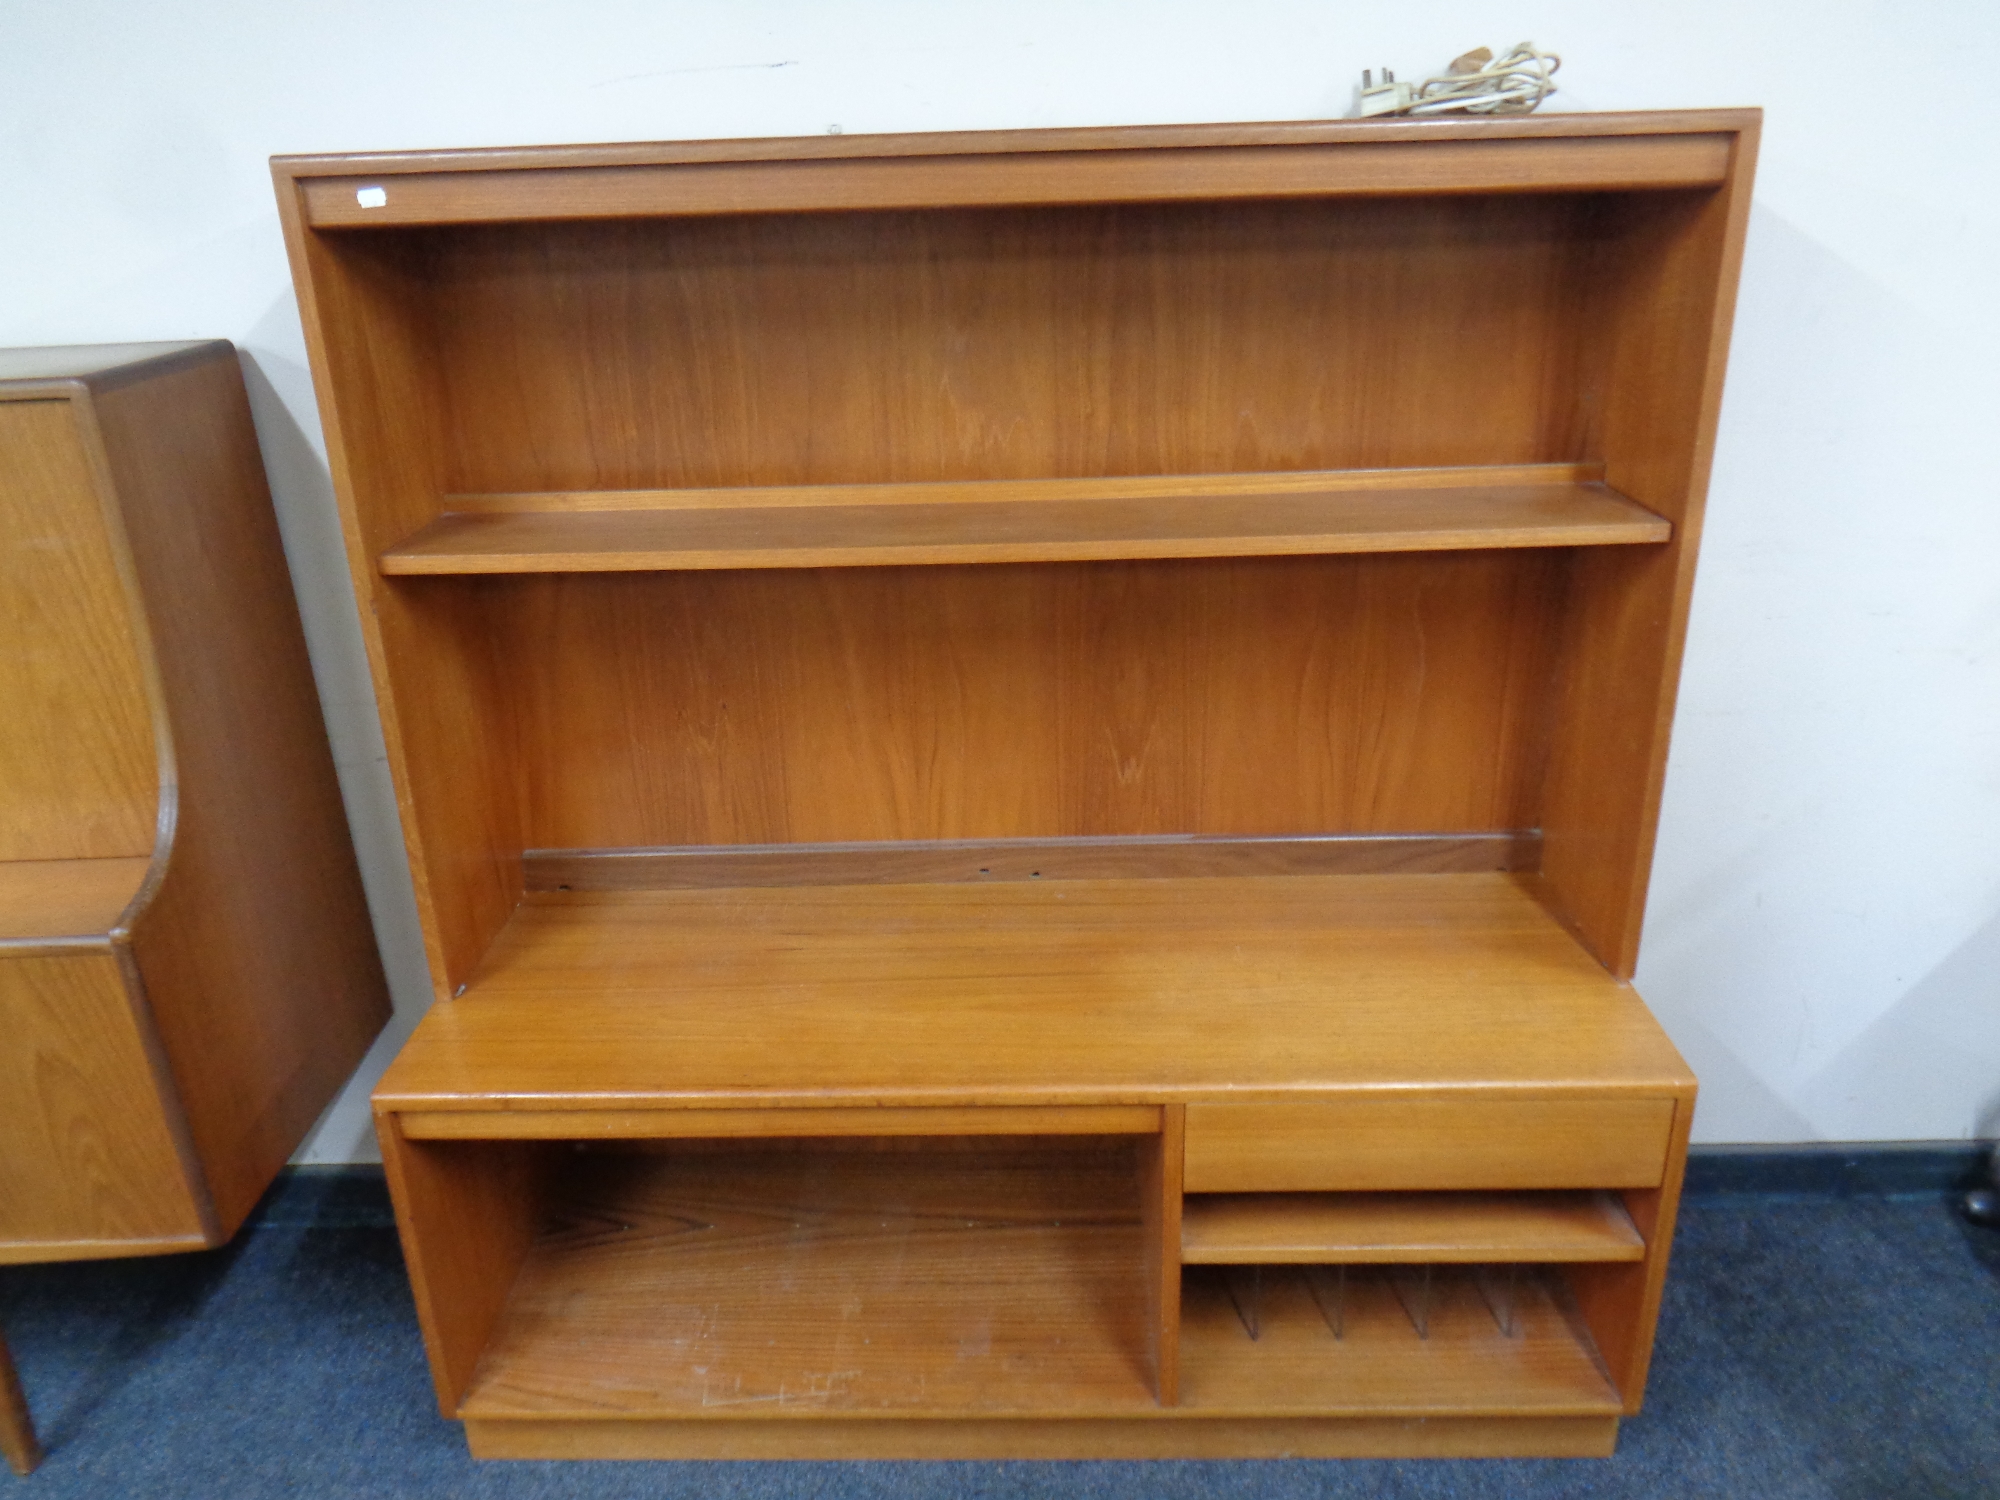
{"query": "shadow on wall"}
{"type": "Point", "coordinates": [309, 518]}
{"type": "Point", "coordinates": [1839, 695]}
{"type": "Point", "coordinates": [1941, 1038]}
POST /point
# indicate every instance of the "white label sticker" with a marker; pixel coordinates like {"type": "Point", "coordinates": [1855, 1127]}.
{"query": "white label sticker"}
{"type": "Point", "coordinates": [371, 197]}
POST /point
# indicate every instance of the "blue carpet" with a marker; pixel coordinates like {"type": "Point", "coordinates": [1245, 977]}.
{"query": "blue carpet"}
{"type": "Point", "coordinates": [1846, 1348]}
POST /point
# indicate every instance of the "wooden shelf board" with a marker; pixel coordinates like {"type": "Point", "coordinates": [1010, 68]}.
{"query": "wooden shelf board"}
{"type": "Point", "coordinates": [1386, 1228]}
{"type": "Point", "coordinates": [1465, 1367]}
{"type": "Point", "coordinates": [1175, 516]}
{"type": "Point", "coordinates": [42, 899]}
{"type": "Point", "coordinates": [1031, 992]}
{"type": "Point", "coordinates": [755, 1283]}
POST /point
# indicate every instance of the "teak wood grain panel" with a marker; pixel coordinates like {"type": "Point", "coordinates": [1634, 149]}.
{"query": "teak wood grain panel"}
{"type": "Point", "coordinates": [1129, 138]}
{"type": "Point", "coordinates": [1213, 169]}
{"type": "Point", "coordinates": [1667, 311]}
{"type": "Point", "coordinates": [753, 1283]}
{"type": "Point", "coordinates": [1382, 694]}
{"type": "Point", "coordinates": [65, 898]}
{"type": "Point", "coordinates": [999, 531]}
{"type": "Point", "coordinates": [1035, 992]}
{"type": "Point", "coordinates": [1405, 1226]}
{"type": "Point", "coordinates": [1437, 1142]}
{"type": "Point", "coordinates": [91, 1166]}
{"type": "Point", "coordinates": [1160, 1162]}
{"type": "Point", "coordinates": [873, 348]}
{"type": "Point", "coordinates": [1209, 1437]}
{"type": "Point", "coordinates": [1621, 1304]}
{"type": "Point", "coordinates": [1058, 492]}
{"type": "Point", "coordinates": [713, 1124]}
{"type": "Point", "coordinates": [182, 1005]}
{"type": "Point", "coordinates": [78, 777]}
{"type": "Point", "coordinates": [680, 348]}
{"type": "Point", "coordinates": [368, 331]}
{"type": "Point", "coordinates": [256, 950]}
{"type": "Point", "coordinates": [1465, 1367]}
{"type": "Point", "coordinates": [466, 1212]}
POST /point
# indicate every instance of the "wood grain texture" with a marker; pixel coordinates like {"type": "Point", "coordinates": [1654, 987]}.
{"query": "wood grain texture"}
{"type": "Point", "coordinates": [368, 335]}
{"type": "Point", "coordinates": [1069, 1438]}
{"type": "Point", "coordinates": [1035, 993]}
{"type": "Point", "coordinates": [749, 1284]}
{"type": "Point", "coordinates": [1372, 695]}
{"type": "Point", "coordinates": [65, 898]}
{"type": "Point", "coordinates": [1621, 1304]}
{"type": "Point", "coordinates": [1160, 1163]}
{"type": "Point", "coordinates": [1057, 492]}
{"type": "Point", "coordinates": [1019, 345]}
{"type": "Point", "coordinates": [1386, 1228]}
{"type": "Point", "coordinates": [669, 364]}
{"type": "Point", "coordinates": [467, 1215]}
{"type": "Point", "coordinates": [91, 1160]}
{"type": "Point", "coordinates": [1670, 272]}
{"type": "Point", "coordinates": [687, 1124]}
{"type": "Point", "coordinates": [18, 1442]}
{"type": "Point", "coordinates": [78, 775]}
{"type": "Point", "coordinates": [1358, 166]}
{"type": "Point", "coordinates": [1466, 1367]}
{"type": "Point", "coordinates": [256, 951]}
{"type": "Point", "coordinates": [989, 531]}
{"type": "Point", "coordinates": [1363, 1144]}
{"type": "Point", "coordinates": [929, 861]}
{"type": "Point", "coordinates": [959, 143]}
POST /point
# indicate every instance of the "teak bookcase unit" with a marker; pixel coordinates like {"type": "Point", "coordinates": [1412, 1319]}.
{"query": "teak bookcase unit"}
{"type": "Point", "coordinates": [187, 973]}
{"type": "Point", "coordinates": [1030, 762]}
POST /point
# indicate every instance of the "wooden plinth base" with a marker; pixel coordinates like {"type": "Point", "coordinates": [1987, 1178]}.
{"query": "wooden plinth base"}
{"type": "Point", "coordinates": [1135, 1437]}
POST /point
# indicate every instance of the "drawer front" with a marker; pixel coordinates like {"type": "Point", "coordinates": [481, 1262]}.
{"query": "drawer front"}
{"type": "Point", "coordinates": [1427, 1143]}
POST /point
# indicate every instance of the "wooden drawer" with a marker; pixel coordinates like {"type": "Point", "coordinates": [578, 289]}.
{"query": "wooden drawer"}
{"type": "Point", "coordinates": [1427, 1143]}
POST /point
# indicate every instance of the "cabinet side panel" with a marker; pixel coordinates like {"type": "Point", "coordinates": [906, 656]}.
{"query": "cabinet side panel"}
{"type": "Point", "coordinates": [78, 775]}
{"type": "Point", "coordinates": [1262, 696]}
{"type": "Point", "coordinates": [1161, 1159]}
{"type": "Point", "coordinates": [257, 955]}
{"type": "Point", "coordinates": [1671, 296]}
{"type": "Point", "coordinates": [368, 323]}
{"type": "Point", "coordinates": [467, 1213]}
{"type": "Point", "coordinates": [1620, 1304]}
{"type": "Point", "coordinates": [88, 1159]}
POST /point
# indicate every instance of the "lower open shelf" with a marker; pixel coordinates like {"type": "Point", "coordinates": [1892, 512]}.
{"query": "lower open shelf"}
{"type": "Point", "coordinates": [960, 1279]}
{"type": "Point", "coordinates": [820, 1278]}
{"type": "Point", "coordinates": [1462, 1364]}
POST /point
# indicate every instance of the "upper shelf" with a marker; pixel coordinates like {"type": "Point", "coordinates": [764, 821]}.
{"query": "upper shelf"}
{"type": "Point", "coordinates": [1038, 520]}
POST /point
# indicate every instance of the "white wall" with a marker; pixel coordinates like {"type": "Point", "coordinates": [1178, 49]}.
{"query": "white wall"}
{"type": "Point", "coordinates": [1824, 937]}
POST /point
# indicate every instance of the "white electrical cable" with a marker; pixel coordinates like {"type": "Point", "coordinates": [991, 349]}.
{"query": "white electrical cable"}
{"type": "Point", "coordinates": [1477, 84]}
{"type": "Point", "coordinates": [1512, 85]}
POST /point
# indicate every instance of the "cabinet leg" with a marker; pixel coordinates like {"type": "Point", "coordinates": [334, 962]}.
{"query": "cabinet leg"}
{"type": "Point", "coordinates": [17, 1428]}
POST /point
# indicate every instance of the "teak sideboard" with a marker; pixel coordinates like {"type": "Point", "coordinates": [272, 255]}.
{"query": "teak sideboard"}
{"type": "Point", "coordinates": [1030, 762]}
{"type": "Point", "coordinates": [187, 973]}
